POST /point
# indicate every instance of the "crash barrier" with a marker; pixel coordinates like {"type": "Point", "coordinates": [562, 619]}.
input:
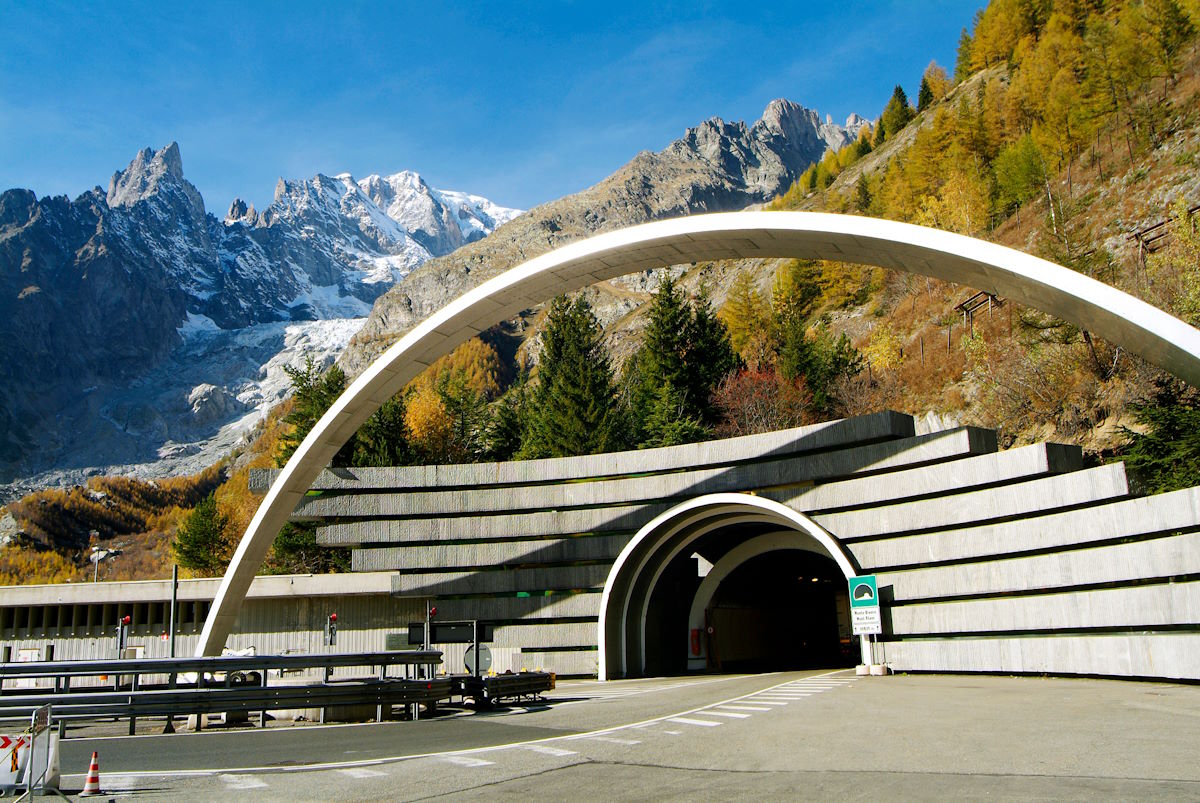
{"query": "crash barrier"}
{"type": "Point", "coordinates": [184, 686]}
{"type": "Point", "coordinates": [487, 690]}
{"type": "Point", "coordinates": [29, 760]}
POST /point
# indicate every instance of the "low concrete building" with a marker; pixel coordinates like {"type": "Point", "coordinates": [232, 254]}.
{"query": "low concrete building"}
{"type": "Point", "coordinates": [283, 614]}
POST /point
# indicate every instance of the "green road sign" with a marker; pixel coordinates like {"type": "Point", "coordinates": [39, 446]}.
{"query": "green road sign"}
{"type": "Point", "coordinates": [864, 606]}
{"type": "Point", "coordinates": [863, 592]}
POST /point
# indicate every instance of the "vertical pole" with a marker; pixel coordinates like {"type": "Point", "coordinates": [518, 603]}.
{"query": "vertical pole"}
{"type": "Point", "coordinates": [475, 642]}
{"type": "Point", "coordinates": [174, 602]}
{"type": "Point", "coordinates": [424, 671]}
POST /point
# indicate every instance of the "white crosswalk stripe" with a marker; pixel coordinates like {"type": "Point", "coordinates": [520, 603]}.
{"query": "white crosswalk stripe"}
{"type": "Point", "coordinates": [547, 750]}
{"type": "Point", "coordinates": [707, 723]}
{"type": "Point", "coordinates": [747, 708]}
{"type": "Point", "coordinates": [731, 714]}
{"type": "Point", "coordinates": [612, 740]}
{"type": "Point", "coordinates": [466, 761]}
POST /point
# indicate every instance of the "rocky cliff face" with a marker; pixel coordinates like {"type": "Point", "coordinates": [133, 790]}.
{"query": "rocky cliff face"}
{"type": "Point", "coordinates": [99, 295]}
{"type": "Point", "coordinates": [715, 167]}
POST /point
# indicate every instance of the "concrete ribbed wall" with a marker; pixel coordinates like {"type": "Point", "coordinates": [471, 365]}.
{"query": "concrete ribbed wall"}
{"type": "Point", "coordinates": [1015, 561]}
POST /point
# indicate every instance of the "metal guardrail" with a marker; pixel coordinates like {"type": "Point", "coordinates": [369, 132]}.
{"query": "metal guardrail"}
{"type": "Point", "coordinates": [207, 700]}
{"type": "Point", "coordinates": [212, 665]}
{"type": "Point", "coordinates": [221, 684]}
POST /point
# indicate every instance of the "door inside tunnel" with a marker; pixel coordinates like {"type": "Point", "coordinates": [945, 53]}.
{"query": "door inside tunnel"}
{"type": "Point", "coordinates": [779, 610]}
{"type": "Point", "coordinates": [782, 610]}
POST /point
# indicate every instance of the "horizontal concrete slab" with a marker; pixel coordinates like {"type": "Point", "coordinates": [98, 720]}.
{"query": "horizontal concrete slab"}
{"type": "Point", "coordinates": [878, 457]}
{"type": "Point", "coordinates": [1146, 655]}
{"type": "Point", "coordinates": [627, 518]}
{"type": "Point", "coordinates": [1162, 513]}
{"type": "Point", "coordinates": [816, 437]}
{"type": "Point", "coordinates": [1087, 487]}
{"type": "Point", "coordinates": [533, 607]}
{"type": "Point", "coordinates": [1135, 607]}
{"type": "Point", "coordinates": [949, 477]}
{"type": "Point", "coordinates": [1159, 557]}
{"type": "Point", "coordinates": [575, 634]}
{"type": "Point", "coordinates": [570, 662]}
{"type": "Point", "coordinates": [497, 582]}
{"type": "Point", "coordinates": [499, 553]}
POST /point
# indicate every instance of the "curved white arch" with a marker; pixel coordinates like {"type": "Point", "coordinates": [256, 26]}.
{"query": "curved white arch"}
{"type": "Point", "coordinates": [1106, 311]}
{"type": "Point", "coordinates": [655, 544]}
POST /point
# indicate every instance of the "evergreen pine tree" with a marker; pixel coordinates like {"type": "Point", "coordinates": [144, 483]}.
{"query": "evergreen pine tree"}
{"type": "Point", "coordinates": [313, 392]}
{"type": "Point", "coordinates": [924, 95]}
{"type": "Point", "coordinates": [685, 353]}
{"type": "Point", "coordinates": [574, 406]}
{"type": "Point", "coordinates": [383, 439]}
{"type": "Point", "coordinates": [896, 113]}
{"type": "Point", "coordinates": [200, 543]}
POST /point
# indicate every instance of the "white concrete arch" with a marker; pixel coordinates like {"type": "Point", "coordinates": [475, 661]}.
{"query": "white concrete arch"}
{"type": "Point", "coordinates": [625, 602]}
{"type": "Point", "coordinates": [1106, 311]}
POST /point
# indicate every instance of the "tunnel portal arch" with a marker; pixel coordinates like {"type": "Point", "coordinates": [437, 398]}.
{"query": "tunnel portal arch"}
{"type": "Point", "coordinates": [1104, 310]}
{"type": "Point", "coordinates": [625, 604]}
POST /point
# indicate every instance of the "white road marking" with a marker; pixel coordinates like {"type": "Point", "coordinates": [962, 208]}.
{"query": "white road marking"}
{"type": "Point", "coordinates": [362, 772]}
{"type": "Point", "coordinates": [764, 701]}
{"type": "Point", "coordinates": [466, 761]}
{"type": "Point", "coordinates": [674, 733]}
{"type": "Point", "coordinates": [708, 723]}
{"type": "Point", "coordinates": [731, 714]}
{"type": "Point", "coordinates": [547, 750]}
{"type": "Point", "coordinates": [747, 708]}
{"type": "Point", "coordinates": [242, 782]}
{"type": "Point", "coordinates": [612, 739]}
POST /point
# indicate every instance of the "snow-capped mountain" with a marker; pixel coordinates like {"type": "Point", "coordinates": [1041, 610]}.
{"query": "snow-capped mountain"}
{"type": "Point", "coordinates": [100, 294]}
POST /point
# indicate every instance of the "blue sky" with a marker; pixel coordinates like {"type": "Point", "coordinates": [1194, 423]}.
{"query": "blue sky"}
{"type": "Point", "coordinates": [521, 104]}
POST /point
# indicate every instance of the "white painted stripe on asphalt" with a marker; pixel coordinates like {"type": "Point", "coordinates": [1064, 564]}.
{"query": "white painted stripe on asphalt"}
{"type": "Point", "coordinates": [746, 708]}
{"type": "Point", "coordinates": [466, 761]}
{"type": "Point", "coordinates": [765, 701]}
{"type": "Point", "coordinates": [731, 714]}
{"type": "Point", "coordinates": [708, 723]}
{"type": "Point", "coordinates": [612, 739]}
{"type": "Point", "coordinates": [362, 772]}
{"type": "Point", "coordinates": [547, 750]}
{"type": "Point", "coordinates": [240, 782]}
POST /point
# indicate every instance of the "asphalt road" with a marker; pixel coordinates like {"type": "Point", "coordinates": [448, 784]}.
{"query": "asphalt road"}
{"type": "Point", "coordinates": [807, 735]}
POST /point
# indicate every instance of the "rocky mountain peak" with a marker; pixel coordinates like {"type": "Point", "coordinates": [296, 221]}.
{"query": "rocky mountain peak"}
{"type": "Point", "coordinates": [241, 212]}
{"type": "Point", "coordinates": [148, 173]}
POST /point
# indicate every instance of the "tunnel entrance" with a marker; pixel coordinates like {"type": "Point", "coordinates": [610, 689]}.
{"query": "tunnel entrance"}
{"type": "Point", "coordinates": [739, 600]}
{"type": "Point", "coordinates": [787, 609]}
{"type": "Point", "coordinates": [727, 582]}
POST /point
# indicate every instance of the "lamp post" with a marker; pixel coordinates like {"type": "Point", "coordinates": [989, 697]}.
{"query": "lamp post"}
{"type": "Point", "coordinates": [98, 555]}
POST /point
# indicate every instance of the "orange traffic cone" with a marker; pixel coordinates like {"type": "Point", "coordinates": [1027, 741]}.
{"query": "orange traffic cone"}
{"type": "Point", "coordinates": [92, 785]}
